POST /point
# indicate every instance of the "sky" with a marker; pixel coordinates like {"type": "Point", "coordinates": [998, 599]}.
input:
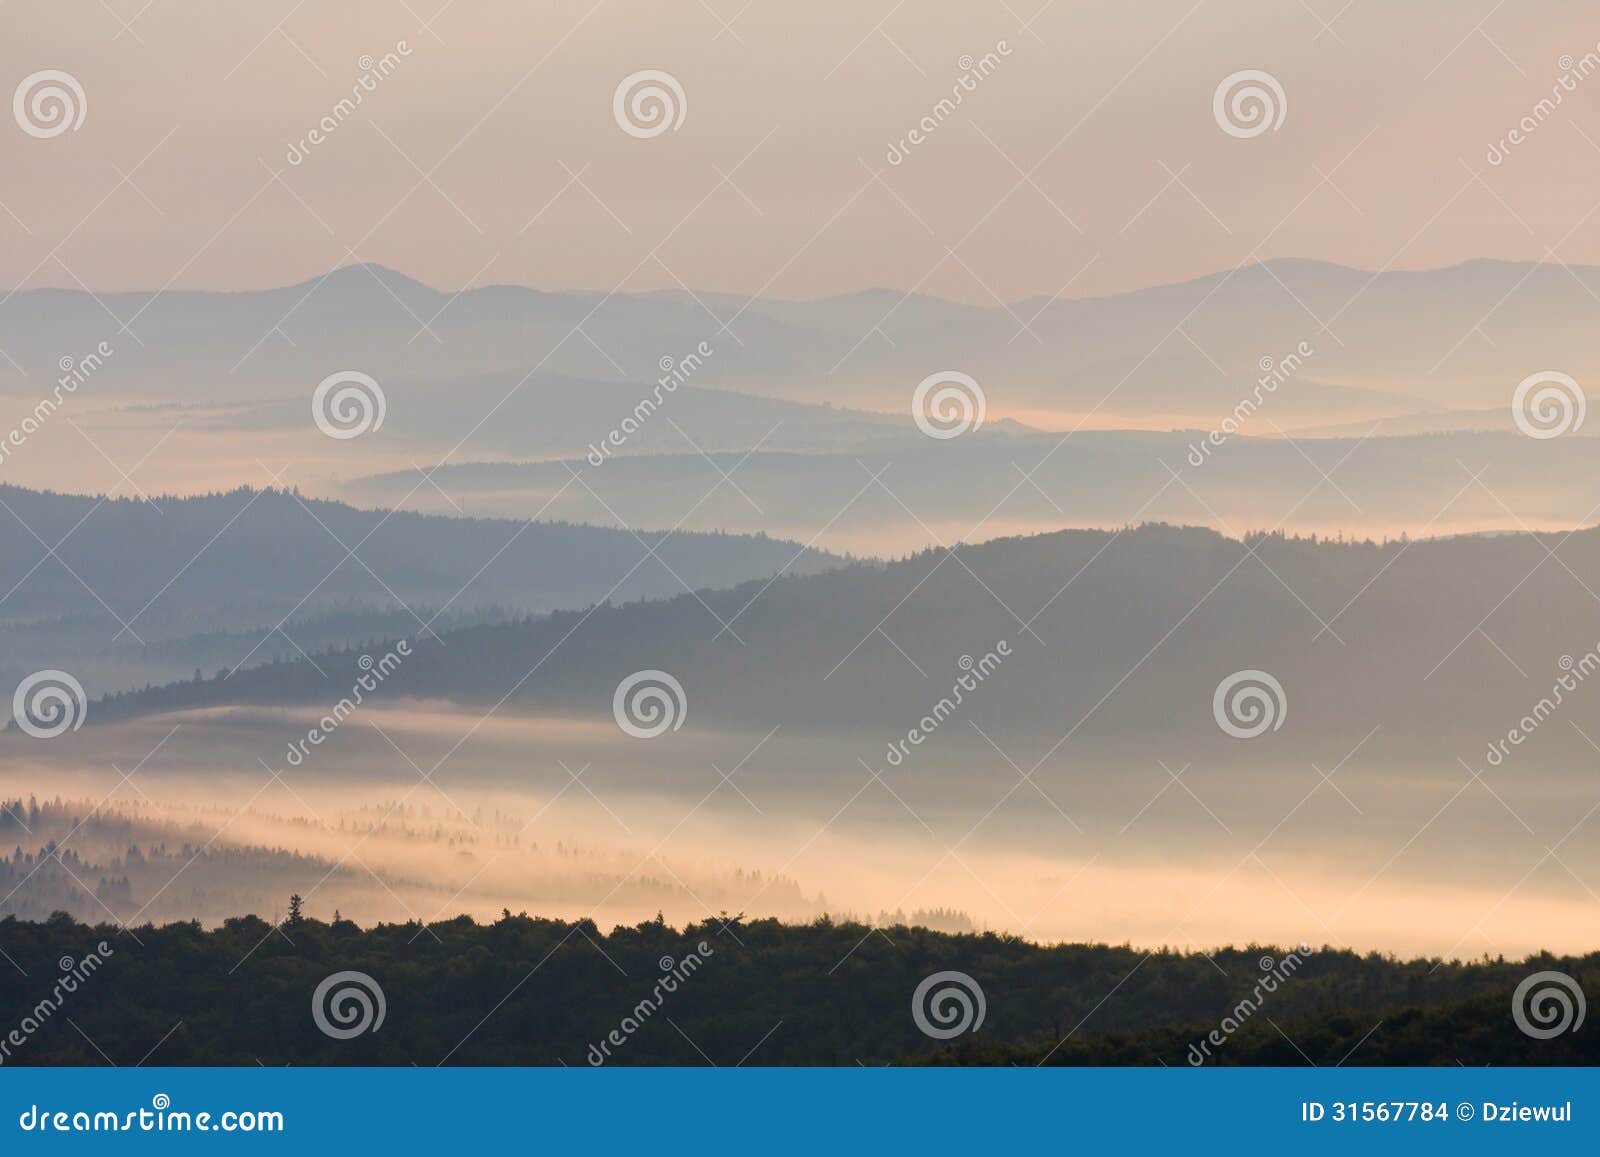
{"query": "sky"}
{"type": "Point", "coordinates": [1086, 159]}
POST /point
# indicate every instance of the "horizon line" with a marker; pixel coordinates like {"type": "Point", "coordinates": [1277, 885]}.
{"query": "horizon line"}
{"type": "Point", "coordinates": [312, 282]}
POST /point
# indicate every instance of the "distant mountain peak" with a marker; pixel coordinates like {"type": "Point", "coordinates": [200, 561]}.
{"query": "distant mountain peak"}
{"type": "Point", "coordinates": [365, 275]}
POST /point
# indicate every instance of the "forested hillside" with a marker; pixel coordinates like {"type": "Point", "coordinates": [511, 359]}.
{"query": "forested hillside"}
{"type": "Point", "coordinates": [531, 991]}
{"type": "Point", "coordinates": [201, 558]}
{"type": "Point", "coordinates": [125, 592]}
{"type": "Point", "coordinates": [1412, 636]}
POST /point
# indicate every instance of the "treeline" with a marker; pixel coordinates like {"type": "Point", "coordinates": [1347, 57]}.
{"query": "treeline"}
{"type": "Point", "coordinates": [532, 991]}
{"type": "Point", "coordinates": [128, 861]}
{"type": "Point", "coordinates": [157, 881]}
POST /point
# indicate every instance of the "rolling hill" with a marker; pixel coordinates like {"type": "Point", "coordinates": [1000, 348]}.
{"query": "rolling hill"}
{"type": "Point", "coordinates": [1116, 641]}
{"type": "Point", "coordinates": [134, 589]}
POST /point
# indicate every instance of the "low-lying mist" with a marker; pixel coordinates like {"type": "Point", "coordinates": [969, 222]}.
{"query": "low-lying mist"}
{"type": "Point", "coordinates": [423, 812]}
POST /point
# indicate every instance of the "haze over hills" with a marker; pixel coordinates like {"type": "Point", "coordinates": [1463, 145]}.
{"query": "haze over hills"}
{"type": "Point", "coordinates": [1111, 642]}
{"type": "Point", "coordinates": [1183, 351]}
{"type": "Point", "coordinates": [1428, 640]}
{"type": "Point", "coordinates": [507, 390]}
{"type": "Point", "coordinates": [1161, 730]}
{"type": "Point", "coordinates": [893, 500]}
{"type": "Point", "coordinates": [95, 579]}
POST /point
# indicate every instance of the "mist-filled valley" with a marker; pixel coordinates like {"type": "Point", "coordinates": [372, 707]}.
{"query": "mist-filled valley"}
{"type": "Point", "coordinates": [1296, 652]}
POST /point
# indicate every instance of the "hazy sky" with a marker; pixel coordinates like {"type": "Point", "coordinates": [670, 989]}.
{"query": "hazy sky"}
{"type": "Point", "coordinates": [1087, 161]}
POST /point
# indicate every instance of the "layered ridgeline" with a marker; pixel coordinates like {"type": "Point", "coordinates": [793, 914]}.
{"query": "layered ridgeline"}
{"type": "Point", "coordinates": [1343, 481]}
{"type": "Point", "coordinates": [1151, 641]}
{"type": "Point", "coordinates": [126, 591]}
{"type": "Point", "coordinates": [1400, 342]}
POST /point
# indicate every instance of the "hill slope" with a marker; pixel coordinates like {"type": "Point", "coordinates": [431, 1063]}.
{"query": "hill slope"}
{"type": "Point", "coordinates": [1108, 637]}
{"type": "Point", "coordinates": [88, 580]}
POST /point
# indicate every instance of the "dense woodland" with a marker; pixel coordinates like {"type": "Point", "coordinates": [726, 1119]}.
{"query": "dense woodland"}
{"type": "Point", "coordinates": [524, 990]}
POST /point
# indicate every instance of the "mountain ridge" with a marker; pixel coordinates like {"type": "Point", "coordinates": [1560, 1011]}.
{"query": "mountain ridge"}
{"type": "Point", "coordinates": [1358, 633]}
